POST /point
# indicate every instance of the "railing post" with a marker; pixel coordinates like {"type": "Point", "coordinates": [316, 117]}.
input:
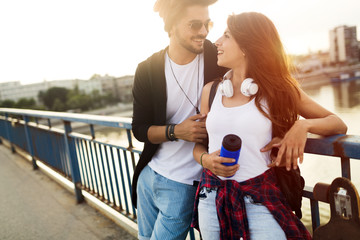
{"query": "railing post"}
{"type": "Point", "coordinates": [192, 235]}
{"type": "Point", "coordinates": [49, 123]}
{"type": "Point", "coordinates": [128, 132]}
{"type": "Point", "coordinates": [29, 142]}
{"type": "Point", "coordinates": [92, 131]}
{"type": "Point", "coordinates": [315, 218]}
{"type": "Point", "coordinates": [74, 166]}
{"type": "Point", "coordinates": [345, 168]}
{"type": "Point", "coordinates": [8, 133]}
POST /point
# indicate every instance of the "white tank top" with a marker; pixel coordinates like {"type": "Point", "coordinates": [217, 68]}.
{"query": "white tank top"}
{"type": "Point", "coordinates": [174, 160]}
{"type": "Point", "coordinates": [254, 129]}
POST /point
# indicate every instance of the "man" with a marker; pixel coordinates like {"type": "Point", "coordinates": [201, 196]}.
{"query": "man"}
{"type": "Point", "coordinates": [167, 89]}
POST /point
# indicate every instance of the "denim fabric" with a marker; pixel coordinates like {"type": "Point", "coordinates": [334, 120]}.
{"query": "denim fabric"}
{"type": "Point", "coordinates": [262, 224]}
{"type": "Point", "coordinates": [164, 206]}
{"type": "Point", "coordinates": [208, 220]}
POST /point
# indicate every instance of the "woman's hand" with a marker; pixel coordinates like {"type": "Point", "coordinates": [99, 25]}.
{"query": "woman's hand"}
{"type": "Point", "coordinates": [213, 162]}
{"type": "Point", "coordinates": [291, 147]}
{"type": "Point", "coordinates": [273, 145]}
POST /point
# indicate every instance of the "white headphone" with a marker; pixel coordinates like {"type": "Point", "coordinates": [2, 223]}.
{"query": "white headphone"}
{"type": "Point", "coordinates": [248, 87]}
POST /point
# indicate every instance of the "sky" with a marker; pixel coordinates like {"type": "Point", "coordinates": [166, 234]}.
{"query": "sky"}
{"type": "Point", "coordinates": [75, 39]}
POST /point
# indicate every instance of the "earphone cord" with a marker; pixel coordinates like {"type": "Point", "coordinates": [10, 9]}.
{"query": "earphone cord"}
{"type": "Point", "coordinates": [197, 85]}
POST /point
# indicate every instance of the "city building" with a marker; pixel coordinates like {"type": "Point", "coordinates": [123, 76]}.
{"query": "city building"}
{"type": "Point", "coordinates": [123, 87]}
{"type": "Point", "coordinates": [15, 90]}
{"type": "Point", "coordinates": [86, 86]}
{"type": "Point", "coordinates": [10, 90]}
{"type": "Point", "coordinates": [119, 87]}
{"type": "Point", "coordinates": [344, 47]}
{"type": "Point", "coordinates": [312, 62]}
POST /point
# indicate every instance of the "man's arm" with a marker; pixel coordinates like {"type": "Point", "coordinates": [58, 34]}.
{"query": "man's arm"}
{"type": "Point", "coordinates": [142, 107]}
{"type": "Point", "coordinates": [190, 130]}
{"type": "Point", "coordinates": [142, 125]}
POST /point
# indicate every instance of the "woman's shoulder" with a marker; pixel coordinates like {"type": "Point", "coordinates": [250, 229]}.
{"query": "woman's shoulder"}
{"type": "Point", "coordinates": [208, 93]}
{"type": "Point", "coordinates": [211, 85]}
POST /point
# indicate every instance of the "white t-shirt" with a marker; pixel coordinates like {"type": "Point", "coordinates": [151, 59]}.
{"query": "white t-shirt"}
{"type": "Point", "coordinates": [254, 129]}
{"type": "Point", "coordinates": [174, 160]}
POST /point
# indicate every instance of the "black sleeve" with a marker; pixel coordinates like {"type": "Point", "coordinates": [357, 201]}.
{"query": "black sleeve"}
{"type": "Point", "coordinates": [142, 105]}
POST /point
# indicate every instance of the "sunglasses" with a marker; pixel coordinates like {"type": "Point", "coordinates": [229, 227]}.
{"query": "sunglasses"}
{"type": "Point", "coordinates": [197, 25]}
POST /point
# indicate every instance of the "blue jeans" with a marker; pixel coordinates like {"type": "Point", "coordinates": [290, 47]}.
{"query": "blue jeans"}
{"type": "Point", "coordinates": [262, 224]}
{"type": "Point", "coordinates": [164, 206]}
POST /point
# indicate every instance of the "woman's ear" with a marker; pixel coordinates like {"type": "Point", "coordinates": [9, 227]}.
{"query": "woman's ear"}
{"type": "Point", "coordinates": [244, 55]}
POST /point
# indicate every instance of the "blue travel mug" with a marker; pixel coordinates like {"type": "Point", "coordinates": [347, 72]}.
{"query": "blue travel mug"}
{"type": "Point", "coordinates": [230, 148]}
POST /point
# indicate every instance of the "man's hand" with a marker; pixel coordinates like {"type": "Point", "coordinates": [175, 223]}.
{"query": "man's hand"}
{"type": "Point", "coordinates": [192, 129]}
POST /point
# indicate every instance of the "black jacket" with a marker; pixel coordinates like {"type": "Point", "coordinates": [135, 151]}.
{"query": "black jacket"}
{"type": "Point", "coordinates": [150, 97]}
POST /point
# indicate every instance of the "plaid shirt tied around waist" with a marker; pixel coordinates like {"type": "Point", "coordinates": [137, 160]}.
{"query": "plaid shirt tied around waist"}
{"type": "Point", "coordinates": [231, 210]}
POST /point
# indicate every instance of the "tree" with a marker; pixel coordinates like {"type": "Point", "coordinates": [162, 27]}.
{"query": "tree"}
{"type": "Point", "coordinates": [109, 98]}
{"type": "Point", "coordinates": [49, 97]}
{"type": "Point", "coordinates": [96, 98]}
{"type": "Point", "coordinates": [41, 96]}
{"type": "Point", "coordinates": [58, 106]}
{"type": "Point", "coordinates": [25, 103]}
{"type": "Point", "coordinates": [80, 101]}
{"type": "Point", "coordinates": [8, 104]}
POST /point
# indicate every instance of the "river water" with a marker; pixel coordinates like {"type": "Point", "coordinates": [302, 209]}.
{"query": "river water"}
{"type": "Point", "coordinates": [340, 98]}
{"type": "Point", "coordinates": [344, 100]}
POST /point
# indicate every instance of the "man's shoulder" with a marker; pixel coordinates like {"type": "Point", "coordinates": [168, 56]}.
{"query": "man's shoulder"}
{"type": "Point", "coordinates": [155, 57]}
{"type": "Point", "coordinates": [210, 51]}
{"type": "Point", "coordinates": [209, 46]}
{"type": "Point", "coordinates": [212, 70]}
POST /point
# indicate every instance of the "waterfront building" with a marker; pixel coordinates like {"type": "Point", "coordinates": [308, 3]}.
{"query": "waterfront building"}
{"type": "Point", "coordinates": [344, 47]}
{"type": "Point", "coordinates": [124, 88]}
{"type": "Point", "coordinates": [119, 87]}
{"type": "Point", "coordinates": [8, 90]}
{"type": "Point", "coordinates": [15, 90]}
{"type": "Point", "coordinates": [86, 86]}
{"type": "Point", "coordinates": [310, 63]}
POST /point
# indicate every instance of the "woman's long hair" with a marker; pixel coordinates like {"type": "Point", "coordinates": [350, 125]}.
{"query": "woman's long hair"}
{"type": "Point", "coordinates": [268, 65]}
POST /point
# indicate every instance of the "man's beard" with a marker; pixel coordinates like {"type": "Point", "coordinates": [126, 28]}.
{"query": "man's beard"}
{"type": "Point", "coordinates": [188, 46]}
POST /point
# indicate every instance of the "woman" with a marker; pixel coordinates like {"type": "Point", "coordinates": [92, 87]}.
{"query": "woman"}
{"type": "Point", "coordinates": [243, 201]}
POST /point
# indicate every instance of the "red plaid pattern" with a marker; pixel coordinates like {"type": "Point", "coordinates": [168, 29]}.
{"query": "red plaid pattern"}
{"type": "Point", "coordinates": [230, 205]}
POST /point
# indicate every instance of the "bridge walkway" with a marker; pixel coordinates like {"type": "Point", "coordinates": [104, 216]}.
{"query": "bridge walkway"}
{"type": "Point", "coordinates": [34, 207]}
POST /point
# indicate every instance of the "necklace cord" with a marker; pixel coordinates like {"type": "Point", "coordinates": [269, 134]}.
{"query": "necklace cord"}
{"type": "Point", "coordinates": [197, 84]}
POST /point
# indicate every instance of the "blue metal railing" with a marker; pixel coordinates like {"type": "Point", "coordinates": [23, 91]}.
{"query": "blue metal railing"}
{"type": "Point", "coordinates": [100, 168]}
{"type": "Point", "coordinates": [105, 170]}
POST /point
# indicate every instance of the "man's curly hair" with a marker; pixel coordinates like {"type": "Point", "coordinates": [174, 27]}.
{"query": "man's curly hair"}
{"type": "Point", "coordinates": [171, 10]}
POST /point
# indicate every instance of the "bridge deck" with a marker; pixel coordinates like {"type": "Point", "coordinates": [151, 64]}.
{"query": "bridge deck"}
{"type": "Point", "coordinates": [35, 207]}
